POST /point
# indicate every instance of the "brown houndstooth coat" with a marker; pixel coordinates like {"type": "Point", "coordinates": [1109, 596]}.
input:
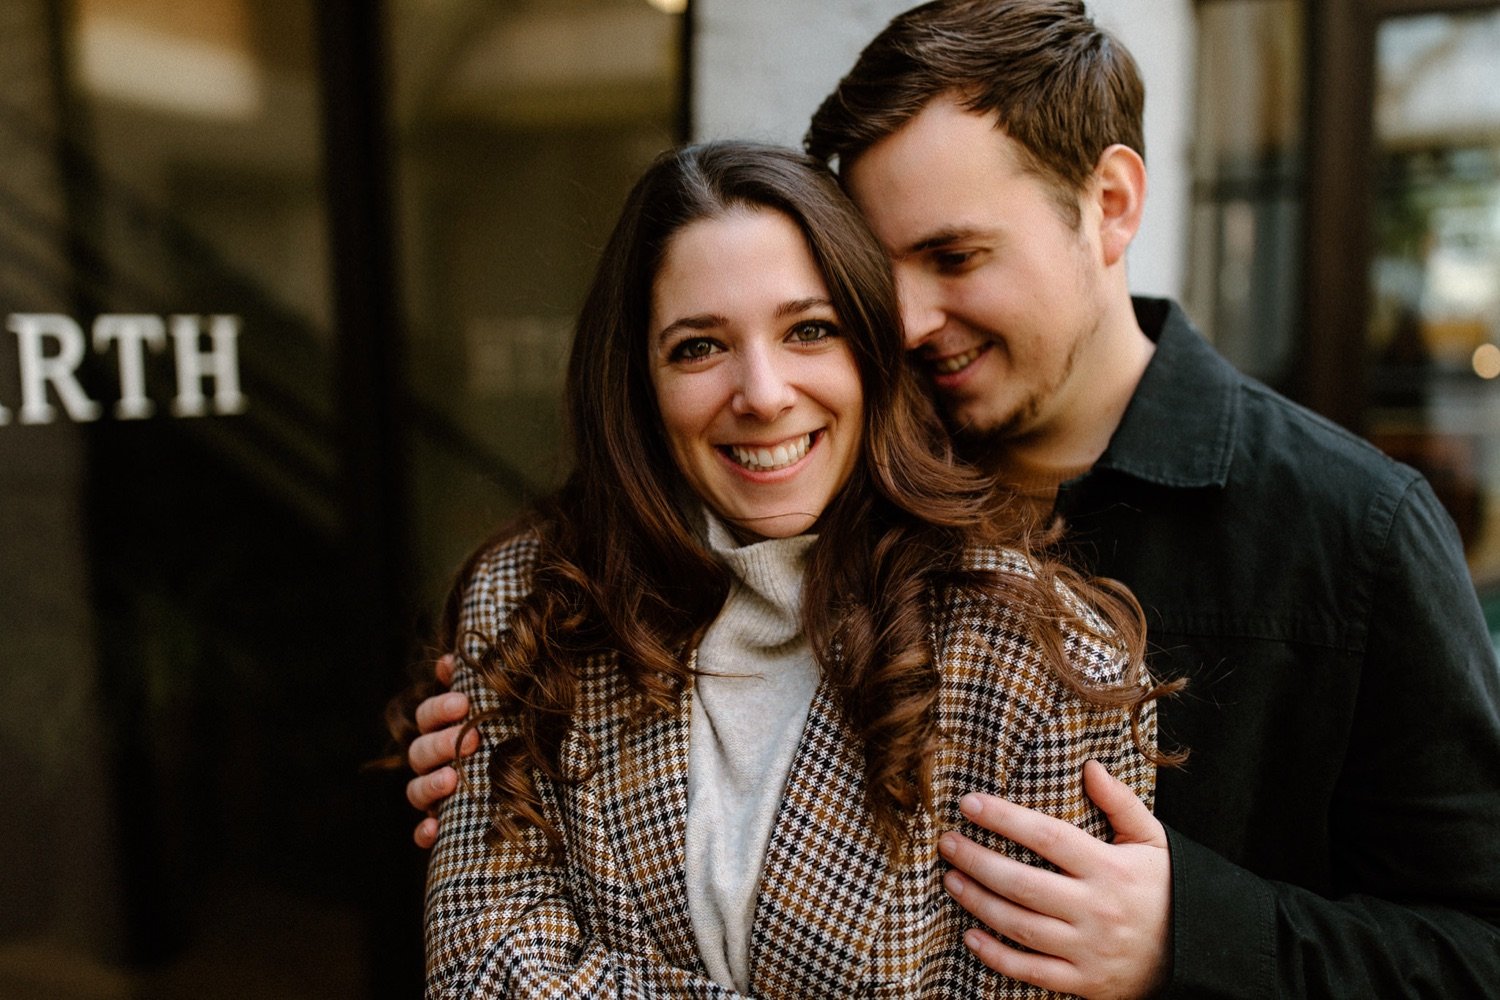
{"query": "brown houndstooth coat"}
{"type": "Point", "coordinates": [834, 919]}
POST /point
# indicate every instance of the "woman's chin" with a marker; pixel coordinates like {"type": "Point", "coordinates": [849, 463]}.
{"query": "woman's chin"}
{"type": "Point", "coordinates": [750, 527]}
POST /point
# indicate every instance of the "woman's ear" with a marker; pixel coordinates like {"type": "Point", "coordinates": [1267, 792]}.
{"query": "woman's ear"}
{"type": "Point", "coordinates": [1119, 190]}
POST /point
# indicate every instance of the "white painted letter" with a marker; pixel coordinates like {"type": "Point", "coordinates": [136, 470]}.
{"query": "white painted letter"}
{"type": "Point", "coordinates": [221, 362]}
{"type": "Point", "coordinates": [131, 332]}
{"type": "Point", "coordinates": [37, 369]}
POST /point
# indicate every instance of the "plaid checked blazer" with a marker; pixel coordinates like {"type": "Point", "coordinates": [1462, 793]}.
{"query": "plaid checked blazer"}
{"type": "Point", "coordinates": [834, 919]}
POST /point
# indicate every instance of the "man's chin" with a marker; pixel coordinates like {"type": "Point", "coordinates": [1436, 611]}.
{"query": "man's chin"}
{"type": "Point", "coordinates": [978, 436]}
{"type": "Point", "coordinates": [976, 440]}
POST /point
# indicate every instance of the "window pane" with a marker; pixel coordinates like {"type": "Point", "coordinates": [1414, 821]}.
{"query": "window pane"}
{"type": "Point", "coordinates": [169, 510]}
{"type": "Point", "coordinates": [1435, 276]}
{"type": "Point", "coordinates": [1247, 169]}
{"type": "Point", "coordinates": [520, 127]}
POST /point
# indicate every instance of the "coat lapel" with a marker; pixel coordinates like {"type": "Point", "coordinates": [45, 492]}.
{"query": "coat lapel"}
{"type": "Point", "coordinates": [825, 869]}
{"type": "Point", "coordinates": [645, 809]}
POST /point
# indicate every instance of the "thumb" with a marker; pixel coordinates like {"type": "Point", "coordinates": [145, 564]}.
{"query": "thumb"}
{"type": "Point", "coordinates": [1127, 815]}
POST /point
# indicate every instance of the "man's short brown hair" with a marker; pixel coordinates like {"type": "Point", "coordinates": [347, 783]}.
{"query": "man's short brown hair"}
{"type": "Point", "coordinates": [1061, 87]}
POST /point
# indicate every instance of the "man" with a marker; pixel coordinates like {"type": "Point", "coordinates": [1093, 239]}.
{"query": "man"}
{"type": "Point", "coordinates": [1336, 831]}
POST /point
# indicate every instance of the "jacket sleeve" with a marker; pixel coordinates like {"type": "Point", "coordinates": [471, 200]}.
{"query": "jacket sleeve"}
{"type": "Point", "coordinates": [499, 922]}
{"type": "Point", "coordinates": [1414, 828]}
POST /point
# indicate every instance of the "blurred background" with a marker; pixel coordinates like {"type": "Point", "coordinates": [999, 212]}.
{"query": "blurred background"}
{"type": "Point", "coordinates": [287, 287]}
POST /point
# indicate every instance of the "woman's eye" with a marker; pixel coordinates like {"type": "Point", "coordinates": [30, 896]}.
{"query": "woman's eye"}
{"type": "Point", "coordinates": [806, 333]}
{"type": "Point", "coordinates": [692, 350]}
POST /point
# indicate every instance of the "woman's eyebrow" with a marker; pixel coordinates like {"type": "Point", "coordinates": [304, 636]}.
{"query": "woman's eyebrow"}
{"type": "Point", "coordinates": [802, 305]}
{"type": "Point", "coordinates": [701, 321]}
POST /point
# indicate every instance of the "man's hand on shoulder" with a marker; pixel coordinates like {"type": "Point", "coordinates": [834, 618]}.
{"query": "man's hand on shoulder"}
{"type": "Point", "coordinates": [431, 755]}
{"type": "Point", "coordinates": [1098, 927]}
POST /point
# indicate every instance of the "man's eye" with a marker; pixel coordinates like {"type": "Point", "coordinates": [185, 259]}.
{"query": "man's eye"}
{"type": "Point", "coordinates": [952, 260]}
{"type": "Point", "coordinates": [806, 333]}
{"type": "Point", "coordinates": [693, 349]}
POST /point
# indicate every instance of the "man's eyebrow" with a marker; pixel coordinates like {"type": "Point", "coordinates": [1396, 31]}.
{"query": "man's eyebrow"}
{"type": "Point", "coordinates": [940, 238]}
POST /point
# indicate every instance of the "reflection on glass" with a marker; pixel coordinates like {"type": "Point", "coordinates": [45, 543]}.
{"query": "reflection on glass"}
{"type": "Point", "coordinates": [170, 581]}
{"type": "Point", "coordinates": [519, 128]}
{"type": "Point", "coordinates": [1246, 173]}
{"type": "Point", "coordinates": [1435, 275]}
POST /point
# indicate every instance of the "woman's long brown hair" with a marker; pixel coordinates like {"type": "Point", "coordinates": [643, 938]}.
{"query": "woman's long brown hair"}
{"type": "Point", "coordinates": [620, 570]}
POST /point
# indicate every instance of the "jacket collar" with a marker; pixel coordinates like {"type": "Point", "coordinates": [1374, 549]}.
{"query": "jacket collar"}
{"type": "Point", "coordinates": [1179, 429]}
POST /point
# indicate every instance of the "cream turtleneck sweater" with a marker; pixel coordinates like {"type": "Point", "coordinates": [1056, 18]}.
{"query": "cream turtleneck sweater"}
{"type": "Point", "coordinates": [749, 705]}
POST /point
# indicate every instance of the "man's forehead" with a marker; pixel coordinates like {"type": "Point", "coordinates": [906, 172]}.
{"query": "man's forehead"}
{"type": "Point", "coordinates": [934, 179]}
{"type": "Point", "coordinates": [911, 209]}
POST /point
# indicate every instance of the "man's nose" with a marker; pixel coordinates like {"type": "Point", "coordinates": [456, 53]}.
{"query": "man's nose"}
{"type": "Point", "coordinates": [921, 313]}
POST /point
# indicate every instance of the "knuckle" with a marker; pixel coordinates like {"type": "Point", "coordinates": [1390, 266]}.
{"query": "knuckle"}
{"type": "Point", "coordinates": [963, 853]}
{"type": "Point", "coordinates": [1021, 931]}
{"type": "Point", "coordinates": [1049, 840]}
{"type": "Point", "coordinates": [420, 756]}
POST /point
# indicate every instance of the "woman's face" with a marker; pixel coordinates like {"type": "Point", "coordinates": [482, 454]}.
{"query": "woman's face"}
{"type": "Point", "coordinates": [760, 397]}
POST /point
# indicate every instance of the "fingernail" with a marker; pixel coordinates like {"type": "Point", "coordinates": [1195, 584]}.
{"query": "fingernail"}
{"type": "Point", "coordinates": [970, 805]}
{"type": "Point", "coordinates": [947, 845]}
{"type": "Point", "coordinates": [954, 883]}
{"type": "Point", "coordinates": [972, 940]}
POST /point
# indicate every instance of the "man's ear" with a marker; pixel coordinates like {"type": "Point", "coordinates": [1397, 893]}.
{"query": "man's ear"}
{"type": "Point", "coordinates": [1119, 190]}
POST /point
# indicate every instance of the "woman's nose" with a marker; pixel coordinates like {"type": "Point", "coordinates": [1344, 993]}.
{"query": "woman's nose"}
{"type": "Point", "coordinates": [765, 390]}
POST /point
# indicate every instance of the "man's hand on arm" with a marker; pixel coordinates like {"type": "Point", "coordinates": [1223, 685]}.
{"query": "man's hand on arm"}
{"type": "Point", "coordinates": [1098, 927]}
{"type": "Point", "coordinates": [431, 755]}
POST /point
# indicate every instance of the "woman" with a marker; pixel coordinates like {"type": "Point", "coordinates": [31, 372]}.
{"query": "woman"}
{"type": "Point", "coordinates": [732, 678]}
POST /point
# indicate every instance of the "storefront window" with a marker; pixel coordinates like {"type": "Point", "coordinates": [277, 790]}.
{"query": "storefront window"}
{"type": "Point", "coordinates": [193, 654]}
{"type": "Point", "coordinates": [519, 128]}
{"type": "Point", "coordinates": [1434, 328]}
{"type": "Point", "coordinates": [1247, 173]}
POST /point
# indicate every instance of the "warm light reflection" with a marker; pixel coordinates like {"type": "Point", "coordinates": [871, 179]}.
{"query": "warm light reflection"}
{"type": "Point", "coordinates": [189, 57]}
{"type": "Point", "coordinates": [1487, 361]}
{"type": "Point", "coordinates": [669, 6]}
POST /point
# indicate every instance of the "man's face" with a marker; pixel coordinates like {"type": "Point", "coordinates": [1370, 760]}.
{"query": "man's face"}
{"type": "Point", "coordinates": [1001, 293]}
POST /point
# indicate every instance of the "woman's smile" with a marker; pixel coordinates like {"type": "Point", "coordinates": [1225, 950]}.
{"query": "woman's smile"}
{"type": "Point", "coordinates": [770, 458]}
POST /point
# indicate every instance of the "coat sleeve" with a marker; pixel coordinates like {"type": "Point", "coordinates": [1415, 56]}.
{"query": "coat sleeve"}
{"type": "Point", "coordinates": [499, 922]}
{"type": "Point", "coordinates": [1414, 828]}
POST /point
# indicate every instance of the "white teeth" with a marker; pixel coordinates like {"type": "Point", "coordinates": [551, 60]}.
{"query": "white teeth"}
{"type": "Point", "coordinates": [958, 362]}
{"type": "Point", "coordinates": [770, 459]}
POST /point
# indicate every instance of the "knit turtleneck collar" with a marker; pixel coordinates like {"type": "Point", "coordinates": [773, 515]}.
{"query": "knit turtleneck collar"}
{"type": "Point", "coordinates": [771, 569]}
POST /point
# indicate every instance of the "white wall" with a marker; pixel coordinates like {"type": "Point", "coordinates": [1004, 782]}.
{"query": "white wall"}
{"type": "Point", "coordinates": [1162, 37]}
{"type": "Point", "coordinates": [762, 68]}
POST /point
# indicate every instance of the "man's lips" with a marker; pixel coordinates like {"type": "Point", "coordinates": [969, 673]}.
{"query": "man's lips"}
{"type": "Point", "coordinates": [955, 363]}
